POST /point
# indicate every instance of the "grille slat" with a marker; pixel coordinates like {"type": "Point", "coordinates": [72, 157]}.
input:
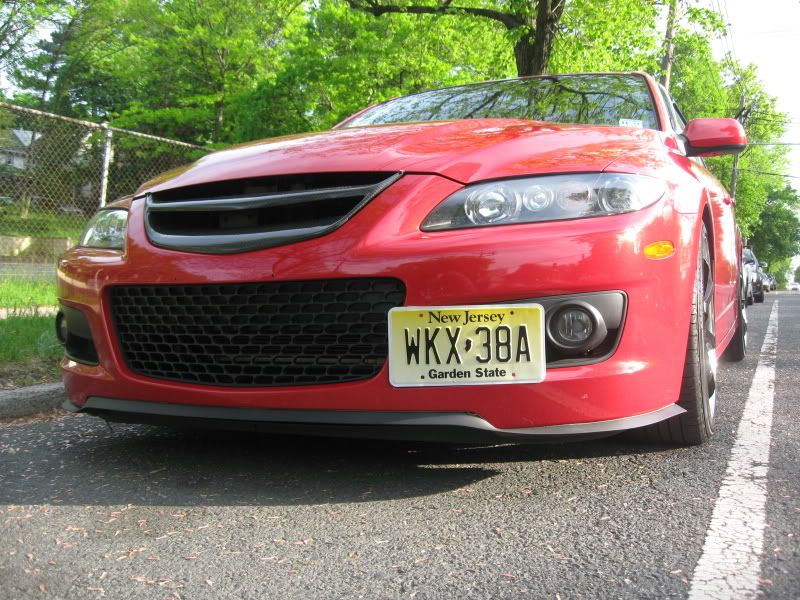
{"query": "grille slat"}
{"type": "Point", "coordinates": [257, 334]}
{"type": "Point", "coordinates": [234, 216]}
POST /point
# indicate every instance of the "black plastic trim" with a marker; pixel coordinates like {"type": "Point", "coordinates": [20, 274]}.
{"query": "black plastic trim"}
{"type": "Point", "coordinates": [79, 345]}
{"type": "Point", "coordinates": [713, 150]}
{"type": "Point", "coordinates": [246, 242]}
{"type": "Point", "coordinates": [612, 305]}
{"type": "Point", "coordinates": [411, 425]}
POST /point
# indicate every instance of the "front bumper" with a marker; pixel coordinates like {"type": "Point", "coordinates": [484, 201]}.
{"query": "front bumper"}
{"type": "Point", "coordinates": [425, 426]}
{"type": "Point", "coordinates": [493, 265]}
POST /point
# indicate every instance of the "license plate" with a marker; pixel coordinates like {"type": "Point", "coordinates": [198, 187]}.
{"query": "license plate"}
{"type": "Point", "coordinates": [466, 345]}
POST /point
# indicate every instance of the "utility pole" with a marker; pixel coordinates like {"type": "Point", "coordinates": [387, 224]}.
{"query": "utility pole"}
{"type": "Point", "coordinates": [742, 116]}
{"type": "Point", "coordinates": [669, 44]}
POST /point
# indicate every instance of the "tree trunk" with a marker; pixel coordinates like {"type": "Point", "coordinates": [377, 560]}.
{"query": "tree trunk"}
{"type": "Point", "coordinates": [533, 49]}
{"type": "Point", "coordinates": [524, 53]}
{"type": "Point", "coordinates": [219, 119]}
{"type": "Point", "coordinates": [669, 45]}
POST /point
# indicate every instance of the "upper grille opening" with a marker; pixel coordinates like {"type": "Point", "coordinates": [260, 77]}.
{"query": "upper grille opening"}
{"type": "Point", "coordinates": [250, 214]}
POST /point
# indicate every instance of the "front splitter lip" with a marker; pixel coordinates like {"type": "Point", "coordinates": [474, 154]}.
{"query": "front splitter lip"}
{"type": "Point", "coordinates": [451, 427]}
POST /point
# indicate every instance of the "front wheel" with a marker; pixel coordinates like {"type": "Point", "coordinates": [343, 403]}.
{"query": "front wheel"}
{"type": "Point", "coordinates": [698, 388]}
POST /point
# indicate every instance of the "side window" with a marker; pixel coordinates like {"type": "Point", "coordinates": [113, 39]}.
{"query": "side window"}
{"type": "Point", "coordinates": [681, 122]}
{"type": "Point", "coordinates": [675, 118]}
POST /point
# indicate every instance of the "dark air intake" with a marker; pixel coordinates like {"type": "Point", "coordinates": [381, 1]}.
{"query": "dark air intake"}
{"type": "Point", "coordinates": [257, 334]}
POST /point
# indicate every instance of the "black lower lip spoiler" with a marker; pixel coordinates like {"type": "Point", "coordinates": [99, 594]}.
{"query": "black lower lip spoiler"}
{"type": "Point", "coordinates": [451, 427]}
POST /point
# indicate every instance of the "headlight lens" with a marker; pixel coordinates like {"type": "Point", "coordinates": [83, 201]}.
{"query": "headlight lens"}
{"type": "Point", "coordinates": [106, 229]}
{"type": "Point", "coordinates": [486, 206]}
{"type": "Point", "coordinates": [548, 198]}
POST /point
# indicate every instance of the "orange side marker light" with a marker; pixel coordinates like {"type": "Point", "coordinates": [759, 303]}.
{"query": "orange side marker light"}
{"type": "Point", "coordinates": [659, 250]}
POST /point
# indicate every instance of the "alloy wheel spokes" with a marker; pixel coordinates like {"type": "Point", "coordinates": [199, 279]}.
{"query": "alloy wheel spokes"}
{"type": "Point", "coordinates": [709, 329]}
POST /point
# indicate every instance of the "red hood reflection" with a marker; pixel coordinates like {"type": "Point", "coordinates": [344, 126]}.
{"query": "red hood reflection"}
{"type": "Point", "coordinates": [465, 151]}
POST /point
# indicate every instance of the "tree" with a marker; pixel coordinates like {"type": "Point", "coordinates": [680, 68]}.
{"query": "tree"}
{"type": "Point", "coordinates": [777, 236]}
{"type": "Point", "coordinates": [169, 67]}
{"type": "Point", "coordinates": [532, 29]}
{"type": "Point", "coordinates": [18, 21]}
{"type": "Point", "coordinates": [342, 60]}
{"type": "Point", "coordinates": [80, 69]}
{"type": "Point", "coordinates": [705, 87]}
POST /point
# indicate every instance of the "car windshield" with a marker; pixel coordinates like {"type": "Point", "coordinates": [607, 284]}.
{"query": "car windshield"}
{"type": "Point", "coordinates": [749, 257]}
{"type": "Point", "coordinates": [586, 99]}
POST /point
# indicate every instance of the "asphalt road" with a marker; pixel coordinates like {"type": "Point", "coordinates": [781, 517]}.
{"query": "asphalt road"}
{"type": "Point", "coordinates": [142, 512]}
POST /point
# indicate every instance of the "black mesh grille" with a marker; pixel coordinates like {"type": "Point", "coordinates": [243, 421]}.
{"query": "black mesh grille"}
{"type": "Point", "coordinates": [257, 334]}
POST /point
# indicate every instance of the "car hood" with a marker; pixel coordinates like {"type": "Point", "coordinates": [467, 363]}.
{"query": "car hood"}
{"type": "Point", "coordinates": [465, 151]}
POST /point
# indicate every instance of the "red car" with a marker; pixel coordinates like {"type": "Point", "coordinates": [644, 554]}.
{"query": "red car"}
{"type": "Point", "coordinates": [527, 259]}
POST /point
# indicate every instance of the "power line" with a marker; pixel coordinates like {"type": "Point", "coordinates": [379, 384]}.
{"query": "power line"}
{"type": "Point", "coordinates": [765, 173]}
{"type": "Point", "coordinates": [727, 40]}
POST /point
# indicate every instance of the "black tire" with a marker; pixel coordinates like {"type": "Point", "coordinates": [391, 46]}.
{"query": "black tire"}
{"type": "Point", "coordinates": [698, 388]}
{"type": "Point", "coordinates": [759, 297]}
{"type": "Point", "coordinates": [737, 348]}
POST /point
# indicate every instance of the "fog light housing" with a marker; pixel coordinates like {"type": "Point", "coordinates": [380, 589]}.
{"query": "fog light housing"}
{"type": "Point", "coordinates": [62, 331]}
{"type": "Point", "coordinates": [575, 327]}
{"type": "Point", "coordinates": [72, 330]}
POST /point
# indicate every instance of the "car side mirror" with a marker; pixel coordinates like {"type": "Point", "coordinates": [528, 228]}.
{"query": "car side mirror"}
{"type": "Point", "coordinates": [763, 265]}
{"type": "Point", "coordinates": [714, 137]}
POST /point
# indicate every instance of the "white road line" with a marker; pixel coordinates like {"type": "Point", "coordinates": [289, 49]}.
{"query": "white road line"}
{"type": "Point", "coordinates": [730, 565]}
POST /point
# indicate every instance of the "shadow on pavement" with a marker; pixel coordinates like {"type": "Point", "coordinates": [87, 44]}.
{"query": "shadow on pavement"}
{"type": "Point", "coordinates": [79, 461]}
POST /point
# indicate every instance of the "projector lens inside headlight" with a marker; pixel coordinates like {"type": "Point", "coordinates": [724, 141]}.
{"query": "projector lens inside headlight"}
{"type": "Point", "coordinates": [537, 197]}
{"type": "Point", "coordinates": [106, 229]}
{"type": "Point", "coordinates": [547, 198]}
{"type": "Point", "coordinates": [492, 205]}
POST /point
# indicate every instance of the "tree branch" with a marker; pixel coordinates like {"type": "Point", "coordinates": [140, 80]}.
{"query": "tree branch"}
{"type": "Point", "coordinates": [510, 21]}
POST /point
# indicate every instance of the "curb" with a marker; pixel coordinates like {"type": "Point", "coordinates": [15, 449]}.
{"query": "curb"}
{"type": "Point", "coordinates": [26, 401]}
{"type": "Point", "coordinates": [33, 311]}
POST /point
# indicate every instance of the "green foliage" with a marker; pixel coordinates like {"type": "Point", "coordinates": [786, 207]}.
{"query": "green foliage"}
{"type": "Point", "coordinates": [29, 349]}
{"type": "Point", "coordinates": [167, 67]}
{"type": "Point", "coordinates": [780, 269]}
{"type": "Point", "coordinates": [19, 20]}
{"type": "Point", "coordinates": [594, 38]}
{"type": "Point", "coordinates": [704, 87]}
{"type": "Point", "coordinates": [343, 60]}
{"type": "Point", "coordinates": [220, 71]}
{"type": "Point", "coordinates": [17, 292]}
{"type": "Point", "coordinates": [776, 238]}
{"type": "Point", "coordinates": [40, 223]}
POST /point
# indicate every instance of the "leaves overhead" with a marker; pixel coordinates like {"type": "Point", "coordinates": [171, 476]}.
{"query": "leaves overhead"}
{"type": "Point", "coordinates": [224, 71]}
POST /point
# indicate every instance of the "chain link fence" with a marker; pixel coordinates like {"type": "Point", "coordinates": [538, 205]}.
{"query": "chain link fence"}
{"type": "Point", "coordinates": [54, 174]}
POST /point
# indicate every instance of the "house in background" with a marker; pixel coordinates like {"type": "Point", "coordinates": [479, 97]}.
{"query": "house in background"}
{"type": "Point", "coordinates": [15, 145]}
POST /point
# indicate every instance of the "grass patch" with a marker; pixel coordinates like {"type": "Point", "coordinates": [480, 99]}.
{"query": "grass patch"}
{"type": "Point", "coordinates": [17, 292]}
{"type": "Point", "coordinates": [43, 224]}
{"type": "Point", "coordinates": [29, 351]}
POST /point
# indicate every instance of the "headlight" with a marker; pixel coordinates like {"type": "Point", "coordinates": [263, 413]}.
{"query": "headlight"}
{"type": "Point", "coordinates": [547, 198]}
{"type": "Point", "coordinates": [106, 229]}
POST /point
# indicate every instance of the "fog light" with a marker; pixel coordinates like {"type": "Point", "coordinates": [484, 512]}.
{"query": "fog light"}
{"type": "Point", "coordinates": [62, 331]}
{"type": "Point", "coordinates": [575, 327]}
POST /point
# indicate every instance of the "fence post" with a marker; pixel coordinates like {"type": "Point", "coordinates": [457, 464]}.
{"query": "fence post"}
{"type": "Point", "coordinates": [108, 149]}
